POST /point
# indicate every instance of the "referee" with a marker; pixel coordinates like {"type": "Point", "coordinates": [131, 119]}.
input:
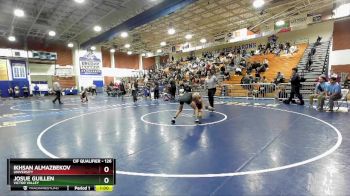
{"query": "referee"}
{"type": "Point", "coordinates": [210, 83]}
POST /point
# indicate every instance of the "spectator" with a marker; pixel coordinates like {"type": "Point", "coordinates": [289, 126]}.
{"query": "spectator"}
{"type": "Point", "coordinates": [227, 75]}
{"type": "Point", "coordinates": [17, 91]}
{"type": "Point", "coordinates": [36, 89]}
{"type": "Point", "coordinates": [222, 70]}
{"type": "Point", "coordinates": [318, 41]}
{"type": "Point", "coordinates": [266, 63]}
{"type": "Point", "coordinates": [309, 63]}
{"type": "Point", "coordinates": [93, 90]}
{"type": "Point", "coordinates": [313, 51]}
{"type": "Point", "coordinates": [333, 92]}
{"type": "Point", "coordinates": [238, 71]}
{"type": "Point", "coordinates": [134, 90]}
{"type": "Point", "coordinates": [122, 88]}
{"type": "Point", "coordinates": [346, 82]}
{"type": "Point", "coordinates": [172, 89]}
{"type": "Point", "coordinates": [263, 80]}
{"type": "Point", "coordinates": [25, 91]}
{"type": "Point", "coordinates": [293, 49]}
{"type": "Point", "coordinates": [156, 90]}
{"type": "Point", "coordinates": [10, 91]}
{"type": "Point", "coordinates": [279, 78]}
{"type": "Point", "coordinates": [83, 96]}
{"type": "Point", "coordinates": [320, 93]}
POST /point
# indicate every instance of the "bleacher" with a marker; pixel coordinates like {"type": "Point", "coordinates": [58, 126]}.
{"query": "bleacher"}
{"type": "Point", "coordinates": [283, 64]}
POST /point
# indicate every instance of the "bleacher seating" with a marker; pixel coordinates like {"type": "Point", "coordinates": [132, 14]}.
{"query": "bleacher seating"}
{"type": "Point", "coordinates": [283, 63]}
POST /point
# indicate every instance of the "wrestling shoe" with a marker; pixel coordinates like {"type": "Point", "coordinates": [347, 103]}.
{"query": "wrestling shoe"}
{"type": "Point", "coordinates": [197, 121]}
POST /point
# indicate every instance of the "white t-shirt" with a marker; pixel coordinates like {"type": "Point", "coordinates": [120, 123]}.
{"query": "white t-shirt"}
{"type": "Point", "coordinates": [211, 82]}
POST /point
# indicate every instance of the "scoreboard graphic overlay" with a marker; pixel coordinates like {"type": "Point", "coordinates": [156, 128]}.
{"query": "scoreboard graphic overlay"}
{"type": "Point", "coordinates": [80, 174]}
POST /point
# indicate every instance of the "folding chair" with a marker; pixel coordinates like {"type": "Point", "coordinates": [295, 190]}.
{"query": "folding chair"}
{"type": "Point", "coordinates": [343, 100]}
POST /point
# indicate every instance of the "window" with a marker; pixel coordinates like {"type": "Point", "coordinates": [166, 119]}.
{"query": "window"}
{"type": "Point", "coordinates": [19, 71]}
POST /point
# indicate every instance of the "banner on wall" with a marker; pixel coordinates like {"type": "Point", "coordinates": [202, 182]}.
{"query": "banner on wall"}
{"type": "Point", "coordinates": [3, 70]}
{"type": "Point", "coordinates": [90, 64]}
{"type": "Point", "coordinates": [18, 70]}
{"type": "Point", "coordinates": [299, 22]}
{"type": "Point", "coordinates": [283, 28]}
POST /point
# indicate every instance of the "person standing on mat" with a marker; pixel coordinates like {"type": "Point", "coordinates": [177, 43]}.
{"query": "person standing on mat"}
{"type": "Point", "coordinates": [57, 89]}
{"type": "Point", "coordinates": [93, 90]}
{"type": "Point", "coordinates": [172, 89]}
{"type": "Point", "coordinates": [210, 83]}
{"type": "Point", "coordinates": [156, 90]}
{"type": "Point", "coordinates": [295, 88]}
{"type": "Point", "coordinates": [122, 89]}
{"type": "Point", "coordinates": [134, 90]}
{"type": "Point", "coordinates": [83, 96]}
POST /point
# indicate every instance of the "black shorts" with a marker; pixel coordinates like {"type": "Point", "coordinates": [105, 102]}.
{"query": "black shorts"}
{"type": "Point", "coordinates": [199, 105]}
{"type": "Point", "coordinates": [186, 98]}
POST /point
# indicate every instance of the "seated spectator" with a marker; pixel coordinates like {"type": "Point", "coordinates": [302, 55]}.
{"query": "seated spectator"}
{"type": "Point", "coordinates": [16, 91]}
{"type": "Point", "coordinates": [257, 51]}
{"type": "Point", "coordinates": [247, 79]}
{"type": "Point", "coordinates": [255, 65]}
{"type": "Point", "coordinates": [263, 80]}
{"type": "Point", "coordinates": [320, 93]}
{"type": "Point", "coordinates": [277, 51]}
{"type": "Point", "coordinates": [261, 69]}
{"type": "Point", "coordinates": [36, 89]}
{"type": "Point", "coordinates": [279, 78]}
{"type": "Point", "coordinates": [243, 63]}
{"type": "Point", "coordinates": [266, 63]}
{"type": "Point", "coordinates": [293, 49]}
{"type": "Point", "coordinates": [287, 48]}
{"type": "Point", "coordinates": [268, 48]}
{"type": "Point", "coordinates": [227, 75]}
{"type": "Point", "coordinates": [238, 71]}
{"type": "Point", "coordinates": [25, 90]}
{"type": "Point", "coordinates": [346, 82]}
{"type": "Point", "coordinates": [257, 75]}
{"type": "Point", "coordinates": [10, 91]}
{"type": "Point", "coordinates": [222, 70]}
{"type": "Point", "coordinates": [333, 92]}
{"type": "Point", "coordinates": [232, 63]}
{"type": "Point", "coordinates": [249, 68]}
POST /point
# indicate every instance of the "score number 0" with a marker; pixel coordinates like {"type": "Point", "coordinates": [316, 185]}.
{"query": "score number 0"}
{"type": "Point", "coordinates": [106, 170]}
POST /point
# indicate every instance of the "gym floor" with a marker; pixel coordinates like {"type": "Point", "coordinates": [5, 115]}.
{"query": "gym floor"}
{"type": "Point", "coordinates": [245, 147]}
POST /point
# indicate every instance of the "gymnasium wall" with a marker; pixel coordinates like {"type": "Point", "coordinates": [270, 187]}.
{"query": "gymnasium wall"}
{"type": "Point", "coordinates": [106, 57]}
{"type": "Point", "coordinates": [148, 63]}
{"type": "Point", "coordinates": [341, 35]}
{"type": "Point", "coordinates": [340, 55]}
{"type": "Point", "coordinates": [123, 60]}
{"type": "Point", "coordinates": [65, 82]}
{"type": "Point", "coordinates": [41, 69]}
